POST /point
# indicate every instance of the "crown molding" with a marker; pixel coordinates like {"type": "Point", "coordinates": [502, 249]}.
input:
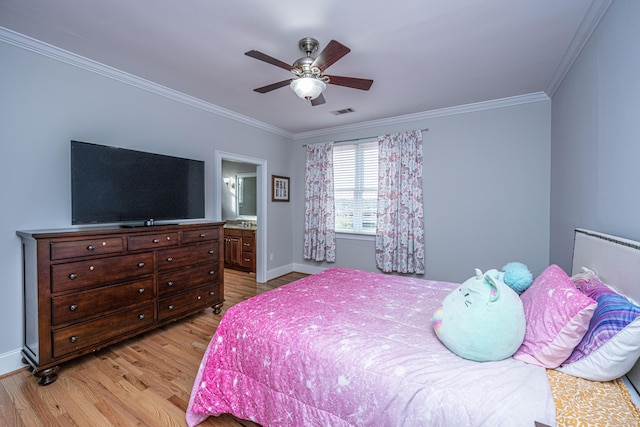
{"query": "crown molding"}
{"type": "Point", "coordinates": [596, 12]}
{"type": "Point", "coordinates": [33, 45]}
{"type": "Point", "coordinates": [449, 111]}
{"type": "Point", "coordinates": [28, 43]}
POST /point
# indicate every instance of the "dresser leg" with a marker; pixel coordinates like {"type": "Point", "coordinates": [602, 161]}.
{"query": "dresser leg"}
{"type": "Point", "coordinates": [47, 376]}
{"type": "Point", "coordinates": [217, 309]}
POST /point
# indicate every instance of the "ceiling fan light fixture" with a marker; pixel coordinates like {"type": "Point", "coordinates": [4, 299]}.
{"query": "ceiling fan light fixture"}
{"type": "Point", "coordinates": [308, 87]}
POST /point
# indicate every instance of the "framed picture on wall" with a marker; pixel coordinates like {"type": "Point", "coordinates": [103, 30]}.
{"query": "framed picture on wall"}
{"type": "Point", "coordinates": [279, 188]}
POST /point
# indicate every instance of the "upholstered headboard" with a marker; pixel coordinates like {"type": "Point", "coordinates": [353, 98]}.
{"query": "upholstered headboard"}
{"type": "Point", "coordinates": [617, 263]}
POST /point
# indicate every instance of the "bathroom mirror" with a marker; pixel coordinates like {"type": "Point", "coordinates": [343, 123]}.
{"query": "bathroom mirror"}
{"type": "Point", "coordinates": [246, 195]}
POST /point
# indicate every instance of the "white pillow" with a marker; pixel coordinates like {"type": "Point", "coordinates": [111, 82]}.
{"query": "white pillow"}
{"type": "Point", "coordinates": [612, 360]}
{"type": "Point", "coordinates": [611, 345]}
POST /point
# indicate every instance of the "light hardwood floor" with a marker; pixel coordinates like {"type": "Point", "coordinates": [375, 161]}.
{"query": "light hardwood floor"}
{"type": "Point", "coordinates": [144, 381]}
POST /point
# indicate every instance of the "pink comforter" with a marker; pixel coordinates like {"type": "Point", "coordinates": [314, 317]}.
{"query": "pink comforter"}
{"type": "Point", "coordinates": [351, 348]}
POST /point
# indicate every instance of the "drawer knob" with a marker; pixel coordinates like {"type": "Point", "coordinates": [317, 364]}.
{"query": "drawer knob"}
{"type": "Point", "coordinates": [169, 259]}
{"type": "Point", "coordinates": [170, 307]}
{"type": "Point", "coordinates": [170, 283]}
{"type": "Point", "coordinates": [211, 251]}
{"type": "Point", "coordinates": [199, 297]}
{"type": "Point", "coordinates": [141, 290]}
{"type": "Point", "coordinates": [73, 338]}
{"type": "Point", "coordinates": [212, 272]}
{"type": "Point", "coordinates": [73, 276]}
{"type": "Point", "coordinates": [140, 316]}
{"type": "Point", "coordinates": [156, 241]}
{"type": "Point", "coordinates": [140, 264]}
{"type": "Point", "coordinates": [168, 237]}
{"type": "Point", "coordinates": [212, 293]}
{"type": "Point", "coordinates": [202, 235]}
{"type": "Point", "coordinates": [73, 307]}
{"type": "Point", "coordinates": [90, 247]}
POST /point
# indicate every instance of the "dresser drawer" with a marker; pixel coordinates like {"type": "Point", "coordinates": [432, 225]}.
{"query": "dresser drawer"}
{"type": "Point", "coordinates": [93, 303]}
{"type": "Point", "coordinates": [233, 232]}
{"type": "Point", "coordinates": [182, 280]}
{"type": "Point", "coordinates": [85, 274]}
{"type": "Point", "coordinates": [247, 259]}
{"type": "Point", "coordinates": [77, 337]}
{"type": "Point", "coordinates": [150, 241]}
{"type": "Point", "coordinates": [188, 302]}
{"type": "Point", "coordinates": [185, 256]}
{"type": "Point", "coordinates": [192, 236]}
{"type": "Point", "coordinates": [89, 247]}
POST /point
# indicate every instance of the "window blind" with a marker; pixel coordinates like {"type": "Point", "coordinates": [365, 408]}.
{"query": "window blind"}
{"type": "Point", "coordinates": [355, 174]}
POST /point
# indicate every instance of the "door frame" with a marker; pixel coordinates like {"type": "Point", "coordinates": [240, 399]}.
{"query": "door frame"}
{"type": "Point", "coordinates": [261, 202]}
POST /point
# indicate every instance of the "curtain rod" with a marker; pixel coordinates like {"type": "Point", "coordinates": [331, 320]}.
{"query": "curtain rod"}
{"type": "Point", "coordinates": [363, 138]}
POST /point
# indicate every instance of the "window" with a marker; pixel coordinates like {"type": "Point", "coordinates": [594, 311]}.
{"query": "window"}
{"type": "Point", "coordinates": [355, 175]}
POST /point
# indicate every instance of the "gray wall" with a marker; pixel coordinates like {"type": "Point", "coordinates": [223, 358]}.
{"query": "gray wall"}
{"type": "Point", "coordinates": [486, 192]}
{"type": "Point", "coordinates": [44, 103]}
{"type": "Point", "coordinates": [595, 138]}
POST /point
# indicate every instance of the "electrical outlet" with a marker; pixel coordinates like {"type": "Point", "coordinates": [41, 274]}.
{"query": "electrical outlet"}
{"type": "Point", "coordinates": [271, 257]}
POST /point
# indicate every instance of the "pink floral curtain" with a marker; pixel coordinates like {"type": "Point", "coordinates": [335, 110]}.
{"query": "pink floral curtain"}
{"type": "Point", "coordinates": [319, 225]}
{"type": "Point", "coordinates": [400, 224]}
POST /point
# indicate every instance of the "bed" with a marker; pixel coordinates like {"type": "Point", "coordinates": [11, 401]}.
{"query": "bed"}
{"type": "Point", "coordinates": [352, 348]}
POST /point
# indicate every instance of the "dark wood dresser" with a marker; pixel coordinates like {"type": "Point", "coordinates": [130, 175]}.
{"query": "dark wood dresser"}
{"type": "Point", "coordinates": [90, 288]}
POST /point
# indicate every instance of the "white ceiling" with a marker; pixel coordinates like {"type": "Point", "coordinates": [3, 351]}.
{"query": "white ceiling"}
{"type": "Point", "coordinates": [423, 55]}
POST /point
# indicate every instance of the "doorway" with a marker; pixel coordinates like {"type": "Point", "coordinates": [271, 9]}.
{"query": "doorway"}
{"type": "Point", "coordinates": [261, 203]}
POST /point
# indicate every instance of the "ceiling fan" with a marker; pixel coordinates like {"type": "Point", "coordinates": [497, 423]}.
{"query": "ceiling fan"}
{"type": "Point", "coordinates": [311, 80]}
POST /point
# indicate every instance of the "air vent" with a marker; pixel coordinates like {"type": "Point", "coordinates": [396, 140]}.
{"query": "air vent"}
{"type": "Point", "coordinates": [345, 111]}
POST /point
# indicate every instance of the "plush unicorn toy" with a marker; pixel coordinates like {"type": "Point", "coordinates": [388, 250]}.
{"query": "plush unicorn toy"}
{"type": "Point", "coordinates": [517, 276]}
{"type": "Point", "coordinates": [482, 320]}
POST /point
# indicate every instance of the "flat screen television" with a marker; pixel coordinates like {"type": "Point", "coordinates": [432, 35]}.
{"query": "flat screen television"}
{"type": "Point", "coordinates": [118, 185]}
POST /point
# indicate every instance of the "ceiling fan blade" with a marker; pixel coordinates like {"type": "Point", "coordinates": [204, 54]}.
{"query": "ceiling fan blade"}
{"type": "Point", "coordinates": [272, 86]}
{"type": "Point", "coordinates": [352, 82]}
{"type": "Point", "coordinates": [318, 101]}
{"type": "Point", "coordinates": [330, 54]}
{"type": "Point", "coordinates": [269, 59]}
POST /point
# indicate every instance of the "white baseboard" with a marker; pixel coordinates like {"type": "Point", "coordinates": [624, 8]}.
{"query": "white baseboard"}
{"type": "Point", "coordinates": [280, 271]}
{"type": "Point", "coordinates": [308, 269]}
{"type": "Point", "coordinates": [289, 268]}
{"type": "Point", "coordinates": [11, 362]}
